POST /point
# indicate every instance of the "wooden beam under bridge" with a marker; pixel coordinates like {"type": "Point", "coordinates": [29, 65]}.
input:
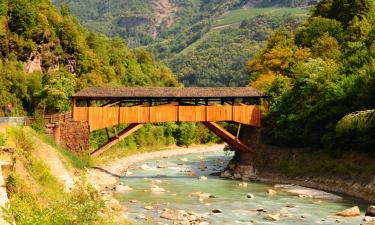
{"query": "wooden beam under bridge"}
{"type": "Point", "coordinates": [227, 137]}
{"type": "Point", "coordinates": [123, 134]}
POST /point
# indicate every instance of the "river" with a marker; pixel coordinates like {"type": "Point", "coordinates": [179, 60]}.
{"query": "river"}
{"type": "Point", "coordinates": [180, 177]}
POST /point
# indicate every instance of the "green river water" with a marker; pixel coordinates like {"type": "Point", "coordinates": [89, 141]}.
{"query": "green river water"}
{"type": "Point", "coordinates": [230, 197]}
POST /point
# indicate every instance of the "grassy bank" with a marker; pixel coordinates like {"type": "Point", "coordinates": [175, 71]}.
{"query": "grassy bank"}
{"type": "Point", "coordinates": [37, 196]}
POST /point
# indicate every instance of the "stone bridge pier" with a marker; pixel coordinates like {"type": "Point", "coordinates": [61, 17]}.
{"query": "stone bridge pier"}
{"type": "Point", "coordinates": [241, 166]}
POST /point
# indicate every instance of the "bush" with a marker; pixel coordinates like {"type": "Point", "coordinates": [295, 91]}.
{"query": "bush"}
{"type": "Point", "coordinates": [38, 123]}
{"type": "Point", "coordinates": [3, 139]}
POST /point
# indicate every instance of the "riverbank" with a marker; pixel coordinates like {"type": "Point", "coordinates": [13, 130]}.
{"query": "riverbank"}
{"type": "Point", "coordinates": [106, 176]}
{"type": "Point", "coordinates": [348, 174]}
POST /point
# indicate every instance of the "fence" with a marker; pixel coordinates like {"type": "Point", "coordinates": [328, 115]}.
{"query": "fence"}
{"type": "Point", "coordinates": [52, 118]}
{"type": "Point", "coordinates": [12, 121]}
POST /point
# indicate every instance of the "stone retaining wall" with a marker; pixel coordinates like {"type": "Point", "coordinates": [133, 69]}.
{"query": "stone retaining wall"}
{"type": "Point", "coordinates": [73, 135]}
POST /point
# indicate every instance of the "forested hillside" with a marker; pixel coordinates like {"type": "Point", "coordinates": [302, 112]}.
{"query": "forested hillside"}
{"type": "Point", "coordinates": [321, 77]}
{"type": "Point", "coordinates": [46, 56]}
{"type": "Point", "coordinates": [205, 43]}
{"type": "Point", "coordinates": [218, 58]}
{"type": "Point", "coordinates": [140, 21]}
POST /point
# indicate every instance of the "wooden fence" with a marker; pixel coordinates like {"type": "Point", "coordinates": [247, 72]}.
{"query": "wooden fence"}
{"type": "Point", "coordinates": [104, 117]}
{"type": "Point", "coordinates": [52, 118]}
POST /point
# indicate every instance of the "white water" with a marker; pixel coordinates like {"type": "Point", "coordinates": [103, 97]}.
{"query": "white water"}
{"type": "Point", "coordinates": [231, 198]}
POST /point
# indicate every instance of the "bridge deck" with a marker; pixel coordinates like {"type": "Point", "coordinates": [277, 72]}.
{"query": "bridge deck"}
{"type": "Point", "coordinates": [105, 117]}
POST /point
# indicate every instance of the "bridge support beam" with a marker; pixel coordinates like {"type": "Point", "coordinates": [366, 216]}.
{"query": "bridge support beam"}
{"type": "Point", "coordinates": [118, 137]}
{"type": "Point", "coordinates": [230, 139]}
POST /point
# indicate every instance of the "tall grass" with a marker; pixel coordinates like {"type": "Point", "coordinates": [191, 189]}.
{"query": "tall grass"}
{"type": "Point", "coordinates": [37, 197]}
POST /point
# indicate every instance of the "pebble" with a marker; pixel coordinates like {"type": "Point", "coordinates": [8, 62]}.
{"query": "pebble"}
{"type": "Point", "coordinates": [351, 212]}
{"type": "Point", "coordinates": [156, 189]}
{"type": "Point", "coordinates": [203, 178]}
{"type": "Point", "coordinates": [133, 201]}
{"type": "Point", "coordinates": [217, 211]}
{"type": "Point", "coordinates": [160, 166]}
{"type": "Point", "coordinates": [370, 211]}
{"type": "Point", "coordinates": [148, 207]}
{"type": "Point", "coordinates": [271, 192]}
{"type": "Point", "coordinates": [258, 210]}
{"type": "Point", "coordinates": [250, 196]}
{"type": "Point", "coordinates": [273, 217]}
{"type": "Point", "coordinates": [123, 188]}
{"type": "Point", "coordinates": [141, 217]}
{"type": "Point", "coordinates": [243, 184]}
{"type": "Point", "coordinates": [369, 219]}
{"type": "Point", "coordinates": [305, 196]}
{"type": "Point", "coordinates": [145, 167]}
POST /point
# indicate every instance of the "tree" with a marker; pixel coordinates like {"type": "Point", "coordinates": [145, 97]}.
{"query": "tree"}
{"type": "Point", "coordinates": [23, 17]}
{"type": "Point", "coordinates": [59, 87]}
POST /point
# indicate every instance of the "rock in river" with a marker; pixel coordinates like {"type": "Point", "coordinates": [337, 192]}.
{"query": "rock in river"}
{"type": "Point", "coordinates": [217, 211]}
{"type": "Point", "coordinates": [123, 188]}
{"type": "Point", "coordinates": [370, 211]}
{"type": "Point", "coordinates": [352, 212]}
{"type": "Point", "coordinates": [273, 217]}
{"type": "Point", "coordinates": [203, 178]}
{"type": "Point", "coordinates": [156, 189]}
{"type": "Point", "coordinates": [250, 195]}
{"type": "Point", "coordinates": [271, 192]}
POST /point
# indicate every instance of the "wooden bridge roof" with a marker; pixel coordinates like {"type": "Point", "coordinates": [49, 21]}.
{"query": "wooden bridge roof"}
{"type": "Point", "coordinates": [168, 92]}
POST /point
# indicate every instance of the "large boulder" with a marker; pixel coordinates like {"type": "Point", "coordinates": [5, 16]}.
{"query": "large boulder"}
{"type": "Point", "coordinates": [370, 211]}
{"type": "Point", "coordinates": [352, 212]}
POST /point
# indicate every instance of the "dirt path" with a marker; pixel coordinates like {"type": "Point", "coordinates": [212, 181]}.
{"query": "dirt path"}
{"type": "Point", "coordinates": [107, 176]}
{"type": "Point", "coordinates": [51, 157]}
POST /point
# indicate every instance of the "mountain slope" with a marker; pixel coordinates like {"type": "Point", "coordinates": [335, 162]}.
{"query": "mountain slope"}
{"type": "Point", "coordinates": [196, 38]}
{"type": "Point", "coordinates": [46, 55]}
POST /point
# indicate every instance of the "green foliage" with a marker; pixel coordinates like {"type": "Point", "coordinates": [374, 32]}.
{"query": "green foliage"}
{"type": "Point", "coordinates": [185, 134]}
{"type": "Point", "coordinates": [46, 56]}
{"type": "Point", "coordinates": [343, 10]}
{"type": "Point", "coordinates": [81, 206]}
{"type": "Point", "coordinates": [356, 130]}
{"type": "Point", "coordinates": [37, 197]}
{"type": "Point", "coordinates": [218, 58]}
{"type": "Point", "coordinates": [38, 123]}
{"type": "Point", "coordinates": [315, 28]}
{"type": "Point", "coordinates": [333, 81]}
{"type": "Point", "coordinates": [79, 162]}
{"type": "Point", "coordinates": [3, 139]}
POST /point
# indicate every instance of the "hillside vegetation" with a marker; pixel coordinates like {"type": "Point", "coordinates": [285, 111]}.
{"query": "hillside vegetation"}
{"type": "Point", "coordinates": [46, 56]}
{"type": "Point", "coordinates": [218, 57]}
{"type": "Point", "coordinates": [321, 77]}
{"type": "Point", "coordinates": [191, 34]}
{"type": "Point", "coordinates": [37, 195]}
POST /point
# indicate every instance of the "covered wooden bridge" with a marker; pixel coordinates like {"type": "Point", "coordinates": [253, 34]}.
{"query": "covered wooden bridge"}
{"type": "Point", "coordinates": [103, 108]}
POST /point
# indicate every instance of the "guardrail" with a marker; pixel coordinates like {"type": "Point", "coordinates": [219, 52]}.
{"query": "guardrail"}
{"type": "Point", "coordinates": [52, 118]}
{"type": "Point", "coordinates": [12, 121]}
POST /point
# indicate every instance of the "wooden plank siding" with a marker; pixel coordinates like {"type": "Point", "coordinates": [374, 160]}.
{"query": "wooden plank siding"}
{"type": "Point", "coordinates": [104, 117]}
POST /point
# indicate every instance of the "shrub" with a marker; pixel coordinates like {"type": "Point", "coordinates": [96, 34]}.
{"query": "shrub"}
{"type": "Point", "coordinates": [3, 139]}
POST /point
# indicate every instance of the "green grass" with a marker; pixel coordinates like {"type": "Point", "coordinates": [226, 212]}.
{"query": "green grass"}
{"type": "Point", "coordinates": [75, 161]}
{"type": "Point", "coordinates": [236, 16]}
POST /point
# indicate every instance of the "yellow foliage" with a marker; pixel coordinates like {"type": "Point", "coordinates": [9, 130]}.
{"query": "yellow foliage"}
{"type": "Point", "coordinates": [264, 81]}
{"type": "Point", "coordinates": [302, 54]}
{"type": "Point", "coordinates": [3, 26]}
{"type": "Point", "coordinates": [279, 58]}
